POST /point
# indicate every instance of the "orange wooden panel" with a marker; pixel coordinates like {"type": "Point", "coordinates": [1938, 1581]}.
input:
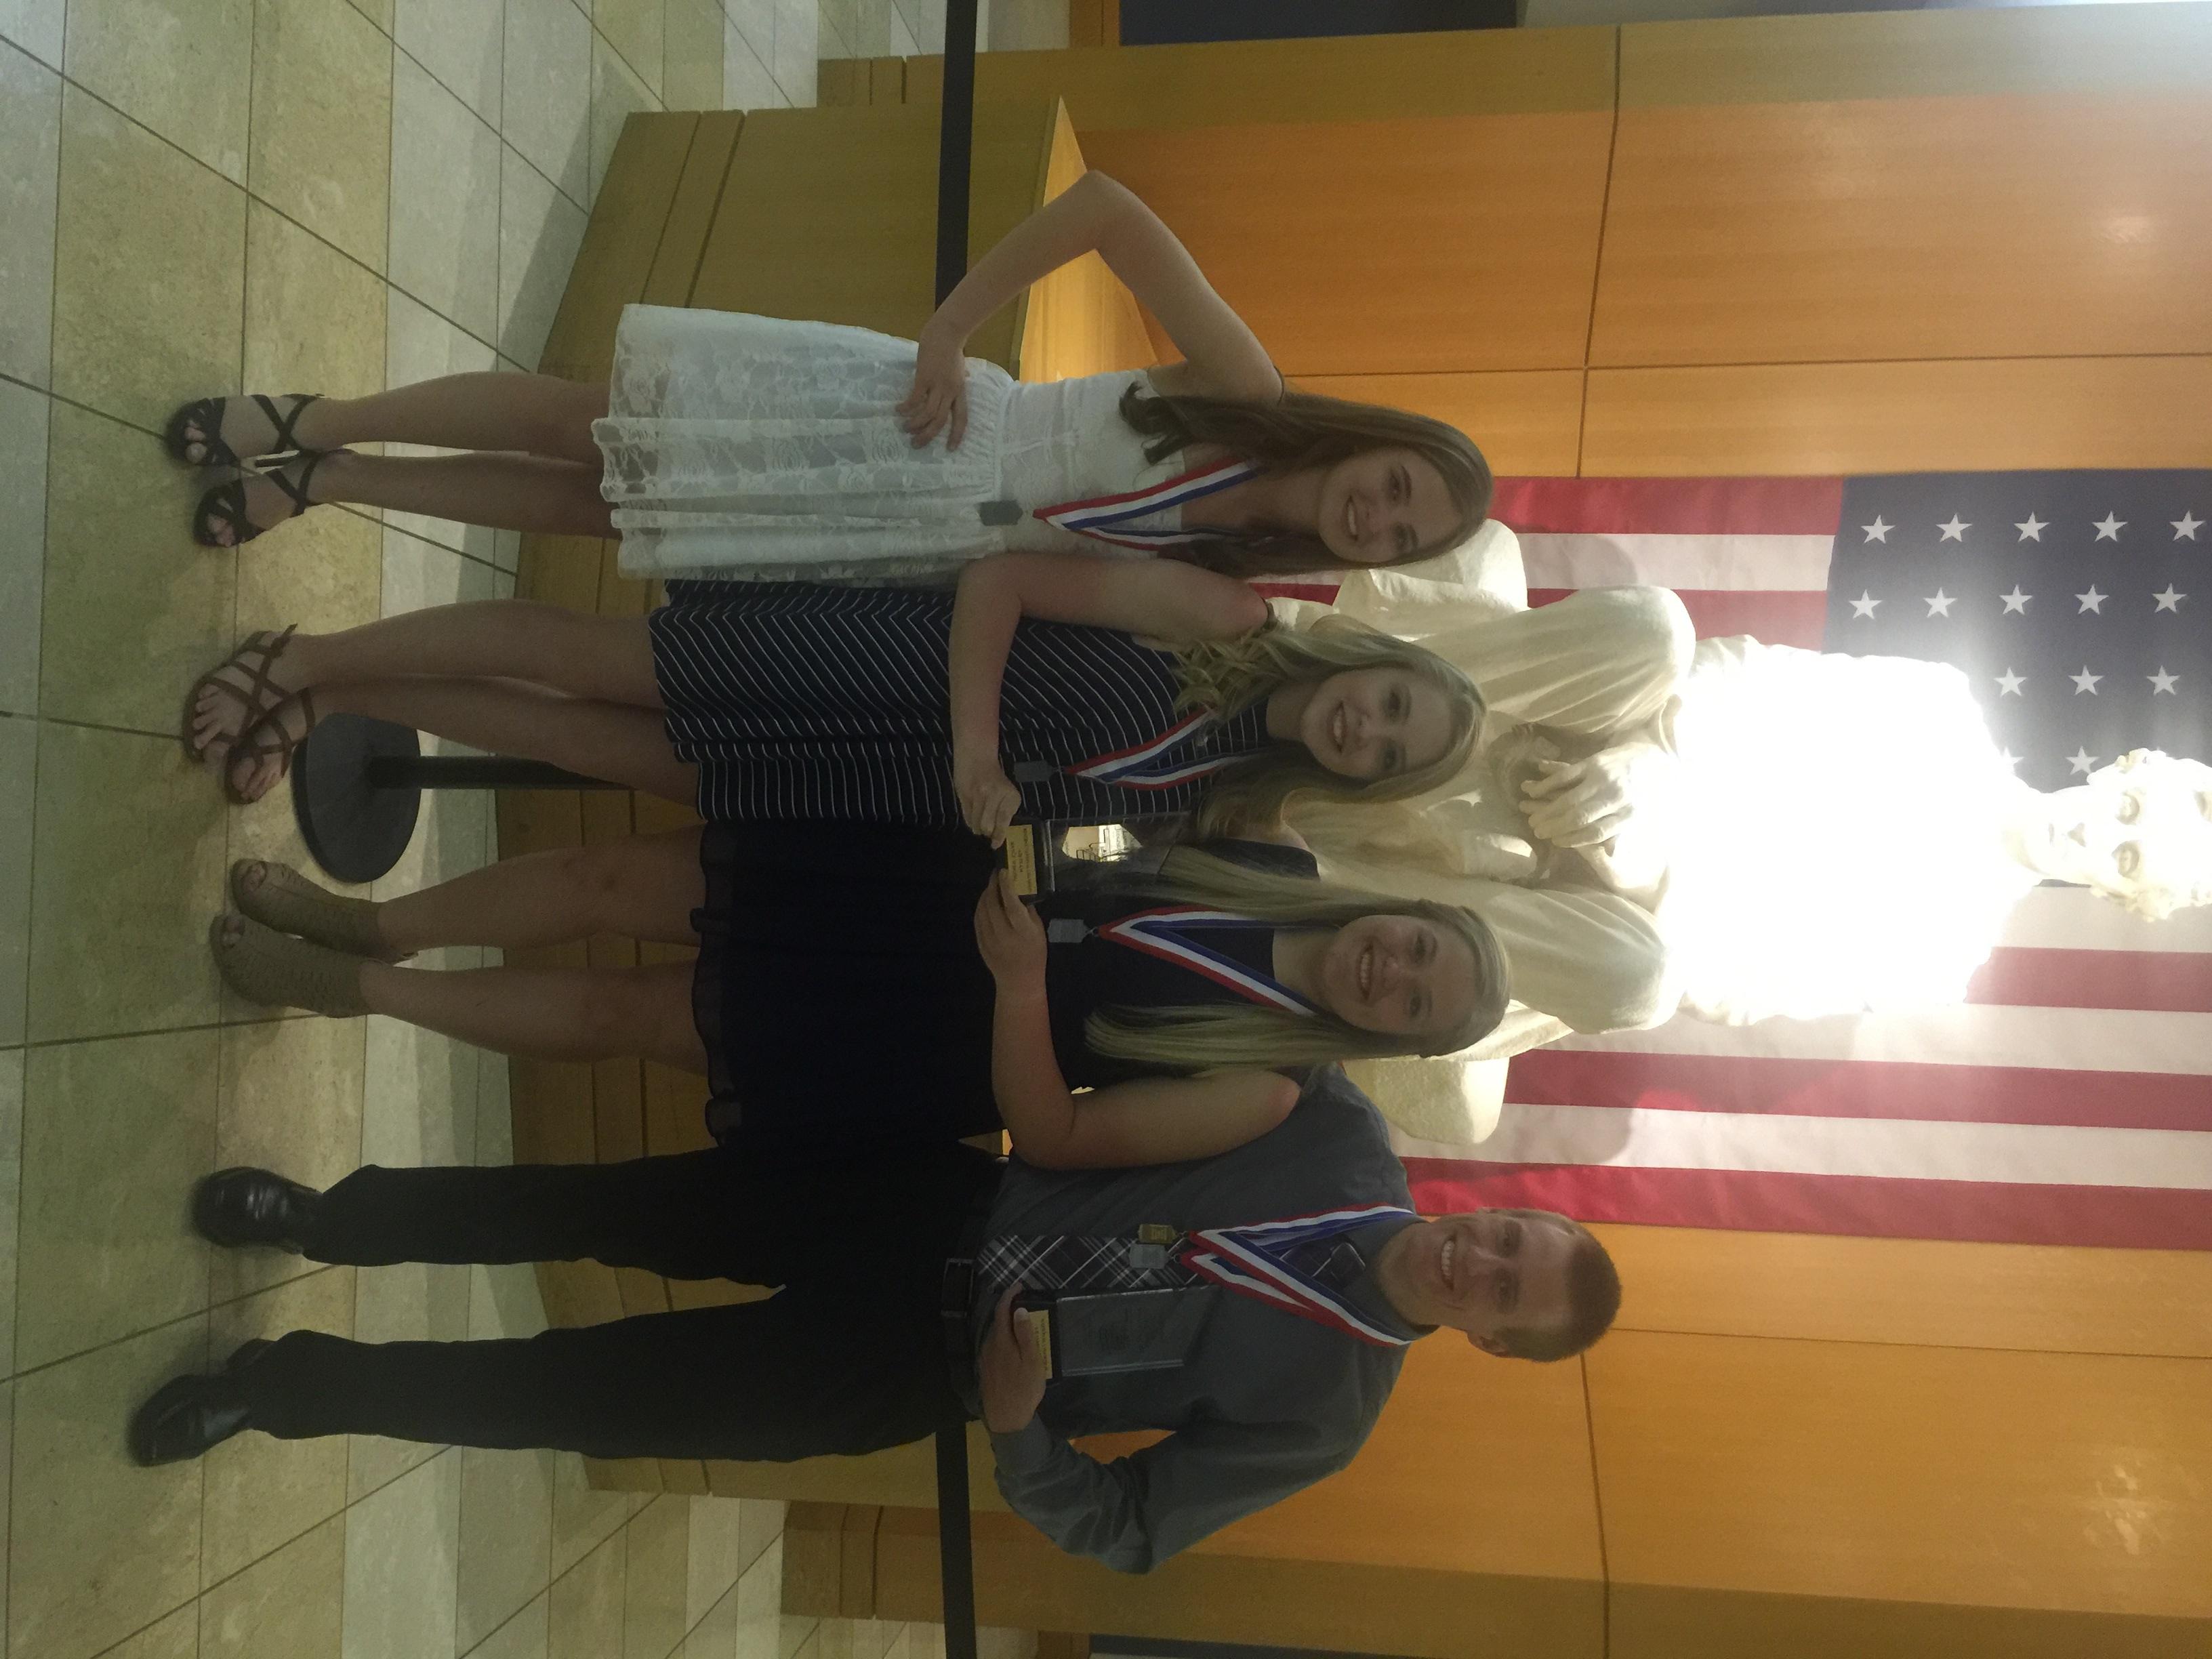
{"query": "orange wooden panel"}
{"type": "Point", "coordinates": [617, 253]}
{"type": "Point", "coordinates": [1894, 1472]}
{"type": "Point", "coordinates": [2060, 1300]}
{"type": "Point", "coordinates": [1990, 227]}
{"type": "Point", "coordinates": [1646, 1622]}
{"type": "Point", "coordinates": [1463, 1435]}
{"type": "Point", "coordinates": [841, 81]}
{"type": "Point", "coordinates": [1529, 423]}
{"type": "Point", "coordinates": [1080, 319]}
{"type": "Point", "coordinates": [1243, 83]}
{"type": "Point", "coordinates": [692, 210]}
{"type": "Point", "coordinates": [1094, 22]}
{"type": "Point", "coordinates": [831, 215]}
{"type": "Point", "coordinates": [1830, 57]}
{"type": "Point", "coordinates": [1386, 246]}
{"type": "Point", "coordinates": [1023, 1581]}
{"type": "Point", "coordinates": [1813, 418]}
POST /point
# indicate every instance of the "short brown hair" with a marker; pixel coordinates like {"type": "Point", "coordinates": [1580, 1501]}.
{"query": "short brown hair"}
{"type": "Point", "coordinates": [1593, 1300]}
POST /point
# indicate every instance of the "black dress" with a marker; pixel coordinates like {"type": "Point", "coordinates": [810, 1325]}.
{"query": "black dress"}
{"type": "Point", "coordinates": [816, 702]}
{"type": "Point", "coordinates": [844, 1005]}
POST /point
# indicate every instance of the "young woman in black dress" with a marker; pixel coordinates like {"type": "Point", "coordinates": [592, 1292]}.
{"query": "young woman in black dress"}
{"type": "Point", "coordinates": [840, 996]}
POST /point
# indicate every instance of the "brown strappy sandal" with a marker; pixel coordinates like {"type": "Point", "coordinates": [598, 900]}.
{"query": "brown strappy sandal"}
{"type": "Point", "coordinates": [266, 735]}
{"type": "Point", "coordinates": [255, 658]}
{"type": "Point", "coordinates": [287, 901]}
{"type": "Point", "coordinates": [278, 971]}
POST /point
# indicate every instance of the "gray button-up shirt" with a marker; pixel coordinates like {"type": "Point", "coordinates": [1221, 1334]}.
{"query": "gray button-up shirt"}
{"type": "Point", "coordinates": [1268, 1401]}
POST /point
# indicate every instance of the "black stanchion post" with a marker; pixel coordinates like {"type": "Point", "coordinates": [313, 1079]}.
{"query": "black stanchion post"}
{"type": "Point", "coordinates": [955, 1547]}
{"type": "Point", "coordinates": [956, 144]}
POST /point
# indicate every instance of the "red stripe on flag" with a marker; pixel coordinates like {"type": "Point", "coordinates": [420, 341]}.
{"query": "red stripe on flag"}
{"type": "Point", "coordinates": [1671, 507]}
{"type": "Point", "coordinates": [2157, 981]}
{"type": "Point", "coordinates": [1764, 1085]}
{"type": "Point", "coordinates": [1778, 618]}
{"type": "Point", "coordinates": [1879, 1206]}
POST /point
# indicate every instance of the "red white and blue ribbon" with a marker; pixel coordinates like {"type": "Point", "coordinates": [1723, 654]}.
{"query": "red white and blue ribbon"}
{"type": "Point", "coordinates": [1114, 518]}
{"type": "Point", "coordinates": [1252, 1261]}
{"type": "Point", "coordinates": [1148, 765]}
{"type": "Point", "coordinates": [1173, 931]}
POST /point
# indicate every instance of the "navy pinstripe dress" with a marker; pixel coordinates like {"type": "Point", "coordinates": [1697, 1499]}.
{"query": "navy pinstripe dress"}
{"type": "Point", "coordinates": [838, 989]}
{"type": "Point", "coordinates": [798, 701]}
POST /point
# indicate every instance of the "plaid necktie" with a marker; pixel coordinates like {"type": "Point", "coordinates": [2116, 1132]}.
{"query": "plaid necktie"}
{"type": "Point", "coordinates": [1081, 1265]}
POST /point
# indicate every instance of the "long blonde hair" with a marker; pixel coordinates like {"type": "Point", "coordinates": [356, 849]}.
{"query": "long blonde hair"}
{"type": "Point", "coordinates": [1225, 676]}
{"type": "Point", "coordinates": [1297, 431]}
{"type": "Point", "coordinates": [1199, 1036]}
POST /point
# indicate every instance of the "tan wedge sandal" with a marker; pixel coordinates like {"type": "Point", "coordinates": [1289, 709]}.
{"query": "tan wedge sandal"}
{"type": "Point", "coordinates": [278, 971]}
{"type": "Point", "coordinates": [286, 899]}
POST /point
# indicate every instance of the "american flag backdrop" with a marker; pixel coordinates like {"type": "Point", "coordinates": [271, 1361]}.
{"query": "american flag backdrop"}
{"type": "Point", "coordinates": [2069, 1100]}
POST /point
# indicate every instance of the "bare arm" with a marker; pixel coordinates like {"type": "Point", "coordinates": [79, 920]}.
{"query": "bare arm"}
{"type": "Point", "coordinates": [1159, 598]}
{"type": "Point", "coordinates": [1151, 1121]}
{"type": "Point", "coordinates": [1224, 358]}
{"type": "Point", "coordinates": [1097, 214]}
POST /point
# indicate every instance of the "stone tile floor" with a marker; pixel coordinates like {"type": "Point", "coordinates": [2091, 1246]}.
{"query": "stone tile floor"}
{"type": "Point", "coordinates": [210, 196]}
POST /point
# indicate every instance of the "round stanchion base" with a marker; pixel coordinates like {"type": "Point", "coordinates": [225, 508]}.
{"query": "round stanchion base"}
{"type": "Point", "coordinates": [356, 831]}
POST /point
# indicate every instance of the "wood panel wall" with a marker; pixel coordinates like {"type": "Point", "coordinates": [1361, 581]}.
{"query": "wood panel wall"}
{"type": "Point", "coordinates": [1815, 245]}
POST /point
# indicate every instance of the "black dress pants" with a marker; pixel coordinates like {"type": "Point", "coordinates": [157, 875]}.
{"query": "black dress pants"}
{"type": "Point", "coordinates": [848, 1357]}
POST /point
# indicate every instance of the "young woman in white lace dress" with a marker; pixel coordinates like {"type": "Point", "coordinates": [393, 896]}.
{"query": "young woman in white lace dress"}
{"type": "Point", "coordinates": [732, 445]}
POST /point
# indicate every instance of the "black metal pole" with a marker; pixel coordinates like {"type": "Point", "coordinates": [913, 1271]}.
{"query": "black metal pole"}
{"type": "Point", "coordinates": [955, 1547]}
{"type": "Point", "coordinates": [955, 145]}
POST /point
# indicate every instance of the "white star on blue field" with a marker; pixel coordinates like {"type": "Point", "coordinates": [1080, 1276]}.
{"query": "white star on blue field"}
{"type": "Point", "coordinates": [2078, 603]}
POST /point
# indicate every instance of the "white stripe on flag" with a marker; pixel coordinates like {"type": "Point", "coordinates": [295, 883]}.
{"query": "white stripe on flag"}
{"type": "Point", "coordinates": [2076, 919]}
{"type": "Point", "coordinates": [2056, 1039]}
{"type": "Point", "coordinates": [1908, 1148]}
{"type": "Point", "coordinates": [1773, 563]}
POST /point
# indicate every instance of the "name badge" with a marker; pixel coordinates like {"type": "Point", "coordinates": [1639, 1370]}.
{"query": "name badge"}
{"type": "Point", "coordinates": [1121, 1331]}
{"type": "Point", "coordinates": [1000, 512]}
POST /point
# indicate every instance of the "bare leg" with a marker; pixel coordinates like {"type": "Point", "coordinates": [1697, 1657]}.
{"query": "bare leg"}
{"type": "Point", "coordinates": [643, 888]}
{"type": "Point", "coordinates": [503, 491]}
{"type": "Point", "coordinates": [537, 414]}
{"type": "Point", "coordinates": [603, 658]}
{"type": "Point", "coordinates": [550, 1013]}
{"type": "Point", "coordinates": [618, 742]}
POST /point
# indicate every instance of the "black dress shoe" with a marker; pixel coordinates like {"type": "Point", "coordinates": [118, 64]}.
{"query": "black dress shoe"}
{"type": "Point", "coordinates": [190, 1415]}
{"type": "Point", "coordinates": [245, 1206]}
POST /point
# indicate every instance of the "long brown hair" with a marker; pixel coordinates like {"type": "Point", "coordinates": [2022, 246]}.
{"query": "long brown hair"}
{"type": "Point", "coordinates": [1297, 431]}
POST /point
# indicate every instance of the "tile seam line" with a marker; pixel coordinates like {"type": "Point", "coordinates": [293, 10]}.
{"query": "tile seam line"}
{"type": "Point", "coordinates": [246, 188]}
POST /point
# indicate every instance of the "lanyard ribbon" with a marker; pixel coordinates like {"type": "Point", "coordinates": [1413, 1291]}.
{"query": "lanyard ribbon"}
{"type": "Point", "coordinates": [1153, 763]}
{"type": "Point", "coordinates": [1254, 1261]}
{"type": "Point", "coordinates": [1172, 933]}
{"type": "Point", "coordinates": [1113, 518]}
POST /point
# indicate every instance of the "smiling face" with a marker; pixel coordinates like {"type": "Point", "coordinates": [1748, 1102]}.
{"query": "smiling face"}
{"type": "Point", "coordinates": [2132, 832]}
{"type": "Point", "coordinates": [1485, 1274]}
{"type": "Point", "coordinates": [1382, 505]}
{"type": "Point", "coordinates": [1398, 975]}
{"type": "Point", "coordinates": [1375, 723]}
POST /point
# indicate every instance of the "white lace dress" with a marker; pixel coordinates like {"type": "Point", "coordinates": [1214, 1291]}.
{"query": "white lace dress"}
{"type": "Point", "coordinates": [743, 447]}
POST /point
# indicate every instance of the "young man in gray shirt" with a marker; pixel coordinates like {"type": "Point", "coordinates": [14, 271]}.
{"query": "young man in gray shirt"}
{"type": "Point", "coordinates": [1295, 1268]}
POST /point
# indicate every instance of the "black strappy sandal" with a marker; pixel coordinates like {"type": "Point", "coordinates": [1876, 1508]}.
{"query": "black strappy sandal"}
{"type": "Point", "coordinates": [225, 504]}
{"type": "Point", "coordinates": [207, 414]}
